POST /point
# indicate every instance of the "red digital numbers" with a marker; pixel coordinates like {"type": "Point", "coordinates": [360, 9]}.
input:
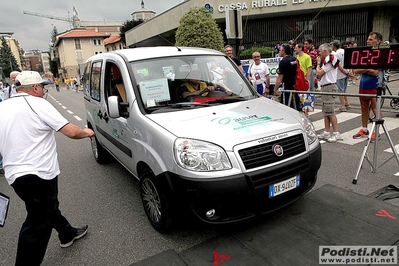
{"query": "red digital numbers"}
{"type": "Point", "coordinates": [365, 57]}
{"type": "Point", "coordinates": [382, 57]}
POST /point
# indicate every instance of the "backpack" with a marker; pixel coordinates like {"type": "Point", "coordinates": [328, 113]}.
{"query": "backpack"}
{"type": "Point", "coordinates": [301, 83]}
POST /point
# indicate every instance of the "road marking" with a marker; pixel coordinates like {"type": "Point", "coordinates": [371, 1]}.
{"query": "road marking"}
{"type": "Point", "coordinates": [64, 107]}
{"type": "Point", "coordinates": [342, 117]}
{"type": "Point", "coordinates": [70, 112]}
{"type": "Point", "coordinates": [77, 118]}
{"type": "Point", "coordinates": [391, 123]}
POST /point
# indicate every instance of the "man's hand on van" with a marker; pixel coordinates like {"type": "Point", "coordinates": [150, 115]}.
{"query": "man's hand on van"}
{"type": "Point", "coordinates": [74, 132]}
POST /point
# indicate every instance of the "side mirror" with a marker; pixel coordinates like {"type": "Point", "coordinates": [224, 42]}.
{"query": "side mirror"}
{"type": "Point", "coordinates": [113, 105]}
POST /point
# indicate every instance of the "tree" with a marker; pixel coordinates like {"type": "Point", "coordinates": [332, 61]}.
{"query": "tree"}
{"type": "Point", "coordinates": [7, 59]}
{"type": "Point", "coordinates": [198, 29]}
{"type": "Point", "coordinates": [53, 63]}
{"type": "Point", "coordinates": [127, 25]}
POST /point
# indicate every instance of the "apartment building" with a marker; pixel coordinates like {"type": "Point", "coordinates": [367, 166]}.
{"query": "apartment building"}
{"type": "Point", "coordinates": [74, 47]}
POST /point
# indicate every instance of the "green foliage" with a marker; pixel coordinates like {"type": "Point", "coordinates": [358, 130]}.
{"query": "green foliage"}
{"type": "Point", "coordinates": [264, 52]}
{"type": "Point", "coordinates": [54, 68]}
{"type": "Point", "coordinates": [7, 59]}
{"type": "Point", "coordinates": [199, 29]}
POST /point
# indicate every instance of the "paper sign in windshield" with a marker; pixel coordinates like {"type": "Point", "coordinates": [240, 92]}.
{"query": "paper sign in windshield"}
{"type": "Point", "coordinates": [155, 90]}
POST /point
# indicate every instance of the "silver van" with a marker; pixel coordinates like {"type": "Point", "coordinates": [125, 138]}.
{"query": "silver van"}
{"type": "Point", "coordinates": [195, 133]}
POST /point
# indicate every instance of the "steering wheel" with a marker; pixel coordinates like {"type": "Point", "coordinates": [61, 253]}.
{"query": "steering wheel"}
{"type": "Point", "coordinates": [203, 92]}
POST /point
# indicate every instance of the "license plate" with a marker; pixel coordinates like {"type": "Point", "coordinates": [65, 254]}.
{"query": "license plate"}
{"type": "Point", "coordinates": [284, 186]}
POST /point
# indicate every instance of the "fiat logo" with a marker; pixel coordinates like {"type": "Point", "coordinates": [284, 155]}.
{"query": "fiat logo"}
{"type": "Point", "coordinates": [278, 150]}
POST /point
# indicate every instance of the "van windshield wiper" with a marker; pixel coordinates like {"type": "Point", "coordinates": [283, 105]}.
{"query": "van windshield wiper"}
{"type": "Point", "coordinates": [225, 100]}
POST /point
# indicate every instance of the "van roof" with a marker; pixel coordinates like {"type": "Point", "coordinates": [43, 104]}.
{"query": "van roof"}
{"type": "Point", "coordinates": [140, 53]}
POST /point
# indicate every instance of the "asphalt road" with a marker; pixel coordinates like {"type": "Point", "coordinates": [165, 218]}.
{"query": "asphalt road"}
{"type": "Point", "coordinates": [107, 198]}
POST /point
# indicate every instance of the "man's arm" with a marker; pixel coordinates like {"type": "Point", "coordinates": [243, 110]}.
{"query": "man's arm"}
{"type": "Point", "coordinates": [279, 80]}
{"type": "Point", "coordinates": [74, 132]}
{"type": "Point", "coordinates": [371, 72]}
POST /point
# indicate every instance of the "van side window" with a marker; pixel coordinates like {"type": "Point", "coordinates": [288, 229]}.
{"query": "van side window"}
{"type": "Point", "coordinates": [114, 86]}
{"type": "Point", "coordinates": [95, 80]}
{"type": "Point", "coordinates": [86, 80]}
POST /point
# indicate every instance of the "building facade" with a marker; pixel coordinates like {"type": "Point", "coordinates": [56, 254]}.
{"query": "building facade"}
{"type": "Point", "coordinates": [74, 47]}
{"type": "Point", "coordinates": [14, 46]}
{"type": "Point", "coordinates": [266, 22]}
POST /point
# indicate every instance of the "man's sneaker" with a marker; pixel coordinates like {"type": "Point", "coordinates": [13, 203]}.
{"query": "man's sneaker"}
{"type": "Point", "coordinates": [361, 134]}
{"type": "Point", "coordinates": [373, 137]}
{"type": "Point", "coordinates": [324, 136]}
{"type": "Point", "coordinates": [334, 137]}
{"type": "Point", "coordinates": [80, 232]}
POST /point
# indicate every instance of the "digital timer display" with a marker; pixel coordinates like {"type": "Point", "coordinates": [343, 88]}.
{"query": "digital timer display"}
{"type": "Point", "coordinates": [377, 57]}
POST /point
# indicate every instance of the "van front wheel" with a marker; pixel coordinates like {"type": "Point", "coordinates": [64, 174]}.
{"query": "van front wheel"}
{"type": "Point", "coordinates": [100, 154]}
{"type": "Point", "coordinates": [155, 202]}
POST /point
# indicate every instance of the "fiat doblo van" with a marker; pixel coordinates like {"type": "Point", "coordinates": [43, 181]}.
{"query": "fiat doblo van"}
{"type": "Point", "coordinates": [195, 133]}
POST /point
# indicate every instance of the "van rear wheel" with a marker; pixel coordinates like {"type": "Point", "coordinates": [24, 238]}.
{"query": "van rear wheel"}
{"type": "Point", "coordinates": [155, 202]}
{"type": "Point", "coordinates": [100, 154]}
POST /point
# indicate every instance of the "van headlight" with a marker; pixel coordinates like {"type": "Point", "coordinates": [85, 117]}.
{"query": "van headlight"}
{"type": "Point", "coordinates": [196, 155]}
{"type": "Point", "coordinates": [309, 128]}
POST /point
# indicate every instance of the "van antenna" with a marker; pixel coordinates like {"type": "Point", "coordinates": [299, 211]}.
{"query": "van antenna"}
{"type": "Point", "coordinates": [178, 49]}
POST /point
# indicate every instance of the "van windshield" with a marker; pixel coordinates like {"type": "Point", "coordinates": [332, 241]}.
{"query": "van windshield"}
{"type": "Point", "coordinates": [189, 80]}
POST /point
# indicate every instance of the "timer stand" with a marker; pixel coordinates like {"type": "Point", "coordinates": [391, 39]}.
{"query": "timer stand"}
{"type": "Point", "coordinates": [376, 123]}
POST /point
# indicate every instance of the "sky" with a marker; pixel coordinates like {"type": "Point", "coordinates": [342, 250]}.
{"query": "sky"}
{"type": "Point", "coordinates": [33, 32]}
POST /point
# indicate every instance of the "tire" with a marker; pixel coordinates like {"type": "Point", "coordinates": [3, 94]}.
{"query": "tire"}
{"type": "Point", "coordinates": [156, 202]}
{"type": "Point", "coordinates": [100, 154]}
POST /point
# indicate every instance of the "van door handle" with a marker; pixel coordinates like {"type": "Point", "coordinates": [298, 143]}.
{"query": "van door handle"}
{"type": "Point", "coordinates": [99, 114]}
{"type": "Point", "coordinates": [106, 117]}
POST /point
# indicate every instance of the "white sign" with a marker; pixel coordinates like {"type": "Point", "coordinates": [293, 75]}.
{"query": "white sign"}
{"type": "Point", "coordinates": [155, 90]}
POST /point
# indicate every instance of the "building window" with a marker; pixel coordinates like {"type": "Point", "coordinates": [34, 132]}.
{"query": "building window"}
{"type": "Point", "coordinates": [97, 41]}
{"type": "Point", "coordinates": [77, 44]}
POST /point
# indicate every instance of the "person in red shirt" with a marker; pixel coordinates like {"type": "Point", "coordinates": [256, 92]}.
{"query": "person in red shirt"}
{"type": "Point", "coordinates": [314, 53]}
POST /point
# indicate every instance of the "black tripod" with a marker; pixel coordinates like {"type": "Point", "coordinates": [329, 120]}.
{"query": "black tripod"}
{"type": "Point", "coordinates": [376, 123]}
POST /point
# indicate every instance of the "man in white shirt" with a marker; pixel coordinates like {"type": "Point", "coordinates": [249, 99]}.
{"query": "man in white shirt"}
{"type": "Point", "coordinates": [27, 126]}
{"type": "Point", "coordinates": [11, 90]}
{"type": "Point", "coordinates": [342, 75]}
{"type": "Point", "coordinates": [327, 70]}
{"type": "Point", "coordinates": [259, 72]}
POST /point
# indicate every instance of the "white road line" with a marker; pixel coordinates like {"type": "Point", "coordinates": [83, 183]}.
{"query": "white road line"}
{"type": "Point", "coordinates": [390, 150]}
{"type": "Point", "coordinates": [70, 112]}
{"type": "Point", "coordinates": [77, 118]}
{"type": "Point", "coordinates": [342, 117]}
{"type": "Point", "coordinates": [64, 107]}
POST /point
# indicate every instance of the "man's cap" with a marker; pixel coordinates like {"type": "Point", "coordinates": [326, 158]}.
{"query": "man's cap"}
{"type": "Point", "coordinates": [336, 43]}
{"type": "Point", "coordinates": [30, 78]}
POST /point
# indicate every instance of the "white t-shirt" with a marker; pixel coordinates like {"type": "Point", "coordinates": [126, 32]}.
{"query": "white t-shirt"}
{"type": "Point", "coordinates": [27, 142]}
{"type": "Point", "coordinates": [259, 72]}
{"type": "Point", "coordinates": [339, 54]}
{"type": "Point", "coordinates": [330, 75]}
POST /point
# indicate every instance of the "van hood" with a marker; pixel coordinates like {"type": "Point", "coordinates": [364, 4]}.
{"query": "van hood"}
{"type": "Point", "coordinates": [231, 124]}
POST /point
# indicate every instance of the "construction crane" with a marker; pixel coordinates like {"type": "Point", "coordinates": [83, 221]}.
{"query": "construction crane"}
{"type": "Point", "coordinates": [72, 21]}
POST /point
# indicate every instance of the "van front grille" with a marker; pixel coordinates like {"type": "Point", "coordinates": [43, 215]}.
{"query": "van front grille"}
{"type": "Point", "coordinates": [263, 154]}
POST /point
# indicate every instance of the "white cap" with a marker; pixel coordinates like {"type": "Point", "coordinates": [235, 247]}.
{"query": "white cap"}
{"type": "Point", "coordinates": [30, 78]}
